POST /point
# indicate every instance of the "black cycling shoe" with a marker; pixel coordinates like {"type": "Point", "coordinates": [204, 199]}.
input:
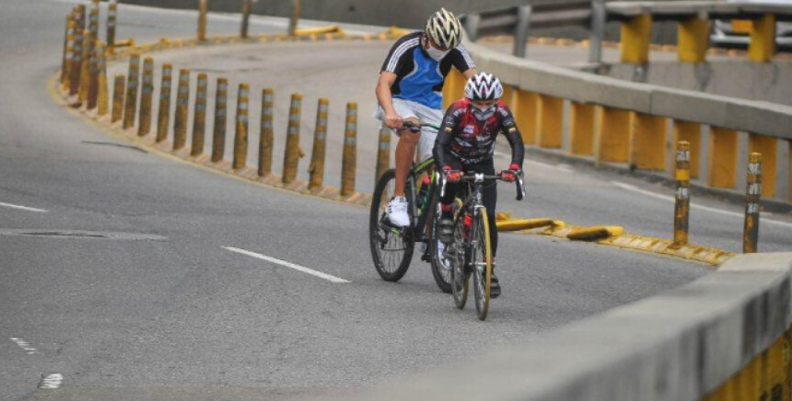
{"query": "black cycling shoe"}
{"type": "Point", "coordinates": [495, 288]}
{"type": "Point", "coordinates": [445, 230]}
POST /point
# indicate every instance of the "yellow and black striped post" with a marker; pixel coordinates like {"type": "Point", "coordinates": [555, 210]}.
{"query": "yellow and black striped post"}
{"type": "Point", "coordinates": [133, 82]}
{"type": "Point", "coordinates": [220, 119]}
{"type": "Point", "coordinates": [118, 98]}
{"type": "Point", "coordinates": [182, 102]}
{"type": "Point", "coordinates": [66, 47]}
{"type": "Point", "coordinates": [163, 118]}
{"type": "Point", "coordinates": [199, 116]}
{"type": "Point", "coordinates": [76, 61]}
{"type": "Point", "coordinates": [112, 18]}
{"type": "Point", "coordinates": [267, 136]}
{"type": "Point", "coordinates": [247, 6]}
{"type": "Point", "coordinates": [203, 8]}
{"type": "Point", "coordinates": [241, 137]}
{"type": "Point", "coordinates": [93, 81]}
{"type": "Point", "coordinates": [146, 97]}
{"type": "Point", "coordinates": [316, 169]}
{"type": "Point", "coordinates": [85, 68]}
{"type": "Point", "coordinates": [682, 205]}
{"type": "Point", "coordinates": [68, 62]}
{"type": "Point", "coordinates": [93, 25]}
{"type": "Point", "coordinates": [292, 156]}
{"type": "Point", "coordinates": [753, 197]}
{"type": "Point", "coordinates": [103, 96]}
{"type": "Point", "coordinates": [349, 164]}
{"type": "Point", "coordinates": [383, 153]}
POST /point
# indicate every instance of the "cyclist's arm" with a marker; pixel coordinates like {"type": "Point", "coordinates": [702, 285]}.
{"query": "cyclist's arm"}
{"type": "Point", "coordinates": [461, 59]}
{"type": "Point", "coordinates": [509, 129]}
{"type": "Point", "coordinates": [444, 136]}
{"type": "Point", "coordinates": [385, 98]}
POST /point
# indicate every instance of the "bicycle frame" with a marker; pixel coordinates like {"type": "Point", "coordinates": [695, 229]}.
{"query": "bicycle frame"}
{"type": "Point", "coordinates": [420, 222]}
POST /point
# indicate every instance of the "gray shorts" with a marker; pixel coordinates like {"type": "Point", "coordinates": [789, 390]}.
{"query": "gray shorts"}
{"type": "Point", "coordinates": [408, 109]}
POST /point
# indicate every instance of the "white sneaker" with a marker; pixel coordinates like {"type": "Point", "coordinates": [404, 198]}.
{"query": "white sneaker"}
{"type": "Point", "coordinates": [397, 212]}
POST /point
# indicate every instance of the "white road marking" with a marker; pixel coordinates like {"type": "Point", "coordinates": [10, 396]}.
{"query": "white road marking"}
{"type": "Point", "coordinates": [29, 209]}
{"type": "Point", "coordinates": [287, 264]}
{"type": "Point", "coordinates": [24, 345]}
{"type": "Point", "coordinates": [51, 382]}
{"type": "Point", "coordinates": [635, 189]}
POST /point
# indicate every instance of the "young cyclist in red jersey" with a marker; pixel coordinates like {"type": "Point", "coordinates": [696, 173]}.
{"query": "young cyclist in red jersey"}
{"type": "Point", "coordinates": [466, 144]}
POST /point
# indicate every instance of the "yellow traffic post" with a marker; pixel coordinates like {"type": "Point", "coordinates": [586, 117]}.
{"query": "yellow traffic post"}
{"type": "Point", "coordinates": [753, 197]}
{"type": "Point", "coordinates": [581, 130]}
{"type": "Point", "coordinates": [147, 92]}
{"type": "Point", "coordinates": [267, 135]}
{"type": "Point", "coordinates": [613, 135]}
{"type": "Point", "coordinates": [349, 163]}
{"type": "Point", "coordinates": [682, 202]}
{"type": "Point", "coordinates": [104, 97]}
{"type": "Point", "coordinates": [182, 103]}
{"type": "Point", "coordinates": [133, 81]}
{"type": "Point", "coordinates": [693, 40]}
{"type": "Point", "coordinates": [550, 121]}
{"type": "Point", "coordinates": [316, 169]}
{"type": "Point", "coordinates": [691, 133]}
{"type": "Point", "coordinates": [118, 98]}
{"type": "Point", "coordinates": [220, 120]}
{"type": "Point", "coordinates": [241, 137]}
{"type": "Point", "coordinates": [163, 118]}
{"type": "Point", "coordinates": [112, 18]}
{"type": "Point", "coordinates": [292, 156]}
{"type": "Point", "coordinates": [76, 62]}
{"type": "Point", "coordinates": [85, 68]}
{"type": "Point", "coordinates": [199, 116]}
{"type": "Point", "coordinates": [763, 37]}
{"type": "Point", "coordinates": [526, 112]}
{"type": "Point", "coordinates": [93, 25]}
{"type": "Point", "coordinates": [453, 88]}
{"type": "Point", "coordinates": [722, 158]}
{"type": "Point", "coordinates": [203, 8]}
{"type": "Point", "coordinates": [636, 35]}
{"type": "Point", "coordinates": [67, 69]}
{"type": "Point", "coordinates": [92, 96]}
{"type": "Point", "coordinates": [647, 142]}
{"type": "Point", "coordinates": [383, 153]}
{"type": "Point", "coordinates": [767, 146]}
{"type": "Point", "coordinates": [247, 6]}
{"type": "Point", "coordinates": [66, 47]}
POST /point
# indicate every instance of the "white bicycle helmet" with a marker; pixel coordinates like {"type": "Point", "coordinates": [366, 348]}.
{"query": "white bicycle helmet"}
{"type": "Point", "coordinates": [483, 86]}
{"type": "Point", "coordinates": [444, 28]}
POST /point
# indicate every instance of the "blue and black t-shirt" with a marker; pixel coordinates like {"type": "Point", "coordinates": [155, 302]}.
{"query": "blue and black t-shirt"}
{"type": "Point", "coordinates": [418, 77]}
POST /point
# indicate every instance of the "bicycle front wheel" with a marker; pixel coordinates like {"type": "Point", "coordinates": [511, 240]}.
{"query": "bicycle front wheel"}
{"type": "Point", "coordinates": [391, 248]}
{"type": "Point", "coordinates": [460, 274]}
{"type": "Point", "coordinates": [481, 260]}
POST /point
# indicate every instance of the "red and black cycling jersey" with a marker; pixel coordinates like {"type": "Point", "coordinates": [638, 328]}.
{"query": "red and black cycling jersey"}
{"type": "Point", "coordinates": [464, 137]}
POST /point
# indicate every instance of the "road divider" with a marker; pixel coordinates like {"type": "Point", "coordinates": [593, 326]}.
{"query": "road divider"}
{"type": "Point", "coordinates": [163, 116]}
{"type": "Point", "coordinates": [293, 152]}
{"type": "Point", "coordinates": [133, 80]}
{"type": "Point", "coordinates": [182, 103]}
{"type": "Point", "coordinates": [316, 169]}
{"type": "Point", "coordinates": [241, 136]}
{"type": "Point", "coordinates": [119, 87]}
{"type": "Point", "coordinates": [199, 116]}
{"type": "Point", "coordinates": [147, 92]}
{"type": "Point", "coordinates": [682, 204]}
{"type": "Point", "coordinates": [349, 163]}
{"type": "Point", "coordinates": [220, 119]}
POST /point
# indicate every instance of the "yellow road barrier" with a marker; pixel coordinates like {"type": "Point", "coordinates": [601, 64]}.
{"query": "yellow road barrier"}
{"type": "Point", "coordinates": [648, 142]}
{"type": "Point", "coordinates": [581, 131]}
{"type": "Point", "coordinates": [119, 86]}
{"type": "Point", "coordinates": [112, 18]}
{"type": "Point", "coordinates": [550, 122]}
{"type": "Point", "coordinates": [636, 35]}
{"type": "Point", "coordinates": [85, 71]}
{"type": "Point", "coordinates": [526, 107]}
{"type": "Point", "coordinates": [67, 68]}
{"type": "Point", "coordinates": [383, 153]}
{"type": "Point", "coordinates": [103, 96]}
{"type": "Point", "coordinates": [693, 35]}
{"type": "Point", "coordinates": [203, 7]}
{"type": "Point", "coordinates": [319, 30]}
{"type": "Point", "coordinates": [92, 96]}
{"type": "Point", "coordinates": [147, 93]}
{"type": "Point", "coordinates": [316, 169]}
{"type": "Point", "coordinates": [763, 39]}
{"type": "Point", "coordinates": [267, 134]}
{"type": "Point", "coordinates": [182, 103]}
{"type": "Point", "coordinates": [722, 159]}
{"type": "Point", "coordinates": [163, 117]}
{"type": "Point", "coordinates": [523, 224]}
{"type": "Point", "coordinates": [349, 164]}
{"type": "Point", "coordinates": [199, 116]}
{"type": "Point", "coordinates": [682, 199]}
{"type": "Point", "coordinates": [292, 156]}
{"type": "Point", "coordinates": [241, 137]}
{"type": "Point", "coordinates": [691, 133]}
{"type": "Point", "coordinates": [613, 136]}
{"type": "Point", "coordinates": [66, 48]}
{"type": "Point", "coordinates": [396, 32]}
{"type": "Point", "coordinates": [753, 198]}
{"type": "Point", "coordinates": [220, 120]}
{"type": "Point", "coordinates": [767, 146]}
{"type": "Point", "coordinates": [594, 233]}
{"type": "Point", "coordinates": [133, 81]}
{"type": "Point", "coordinates": [76, 63]}
{"type": "Point", "coordinates": [93, 25]}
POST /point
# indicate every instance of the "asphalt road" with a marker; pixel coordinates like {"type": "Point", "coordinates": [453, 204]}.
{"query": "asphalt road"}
{"type": "Point", "coordinates": [119, 284]}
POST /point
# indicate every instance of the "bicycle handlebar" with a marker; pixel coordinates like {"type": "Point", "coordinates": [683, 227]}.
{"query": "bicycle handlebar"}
{"type": "Point", "coordinates": [519, 183]}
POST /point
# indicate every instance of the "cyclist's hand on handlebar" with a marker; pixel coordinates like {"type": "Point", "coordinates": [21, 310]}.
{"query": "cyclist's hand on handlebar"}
{"type": "Point", "coordinates": [451, 174]}
{"type": "Point", "coordinates": [393, 121]}
{"type": "Point", "coordinates": [511, 174]}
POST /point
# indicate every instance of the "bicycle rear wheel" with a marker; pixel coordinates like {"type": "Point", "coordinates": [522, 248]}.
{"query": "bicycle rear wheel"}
{"type": "Point", "coordinates": [440, 258]}
{"type": "Point", "coordinates": [481, 261]}
{"type": "Point", "coordinates": [458, 258]}
{"type": "Point", "coordinates": [391, 248]}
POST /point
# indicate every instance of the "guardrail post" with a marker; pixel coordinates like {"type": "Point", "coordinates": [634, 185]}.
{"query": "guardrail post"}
{"type": "Point", "coordinates": [636, 35]}
{"type": "Point", "coordinates": [691, 133]}
{"type": "Point", "coordinates": [763, 39]}
{"type": "Point", "coordinates": [119, 87]}
{"type": "Point", "coordinates": [349, 164]}
{"type": "Point", "coordinates": [93, 81]}
{"type": "Point", "coordinates": [752, 199]}
{"type": "Point", "coordinates": [599, 18]}
{"type": "Point", "coordinates": [199, 116]}
{"type": "Point", "coordinates": [267, 135]}
{"type": "Point", "coordinates": [292, 156]}
{"type": "Point", "coordinates": [294, 18]}
{"type": "Point", "coordinates": [767, 146]}
{"type": "Point", "coordinates": [521, 31]}
{"type": "Point", "coordinates": [453, 88]}
{"type": "Point", "coordinates": [112, 18]}
{"type": "Point", "coordinates": [550, 122]}
{"type": "Point", "coordinates": [241, 137]}
{"type": "Point", "coordinates": [147, 92]}
{"type": "Point", "coordinates": [220, 120]}
{"type": "Point", "coordinates": [581, 130]}
{"type": "Point", "coordinates": [682, 204]}
{"type": "Point", "coordinates": [182, 102]}
{"type": "Point", "coordinates": [76, 63]}
{"type": "Point", "coordinates": [163, 119]}
{"type": "Point", "coordinates": [85, 68]}
{"type": "Point", "coordinates": [247, 5]}
{"type": "Point", "coordinates": [693, 40]}
{"type": "Point", "coordinates": [316, 169]}
{"type": "Point", "coordinates": [133, 81]}
{"type": "Point", "coordinates": [613, 135]}
{"type": "Point", "coordinates": [383, 153]}
{"type": "Point", "coordinates": [526, 112]}
{"type": "Point", "coordinates": [103, 96]}
{"type": "Point", "coordinates": [722, 158]}
{"type": "Point", "coordinates": [647, 142]}
{"type": "Point", "coordinates": [203, 7]}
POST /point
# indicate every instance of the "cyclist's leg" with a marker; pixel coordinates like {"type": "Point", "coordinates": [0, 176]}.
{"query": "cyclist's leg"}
{"type": "Point", "coordinates": [447, 204]}
{"type": "Point", "coordinates": [427, 115]}
{"type": "Point", "coordinates": [406, 145]}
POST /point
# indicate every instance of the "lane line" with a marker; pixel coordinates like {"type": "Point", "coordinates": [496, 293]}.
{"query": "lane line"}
{"type": "Point", "coordinates": [287, 264]}
{"type": "Point", "coordinates": [51, 382]}
{"type": "Point", "coordinates": [24, 345]}
{"type": "Point", "coordinates": [20, 207]}
{"type": "Point", "coordinates": [635, 189]}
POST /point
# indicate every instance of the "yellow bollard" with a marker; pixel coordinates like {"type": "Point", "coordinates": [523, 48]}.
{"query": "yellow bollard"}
{"type": "Point", "coordinates": [647, 142]}
{"type": "Point", "coordinates": [526, 107]}
{"type": "Point", "coordinates": [147, 92]}
{"type": "Point", "coordinates": [85, 68]}
{"type": "Point", "coordinates": [292, 156]}
{"type": "Point", "coordinates": [691, 133]}
{"type": "Point", "coordinates": [722, 158]}
{"type": "Point", "coordinates": [753, 197]}
{"type": "Point", "coordinates": [182, 102]}
{"type": "Point", "coordinates": [202, 10]}
{"type": "Point", "coordinates": [199, 116]}
{"type": "Point", "coordinates": [267, 134]}
{"type": "Point", "coordinates": [767, 146]}
{"type": "Point", "coordinates": [220, 120]}
{"type": "Point", "coordinates": [682, 204]}
{"type": "Point", "coordinates": [550, 121]}
{"type": "Point", "coordinates": [241, 138]}
{"type": "Point", "coordinates": [247, 6]}
{"type": "Point", "coordinates": [92, 96]}
{"type": "Point", "coordinates": [93, 25]}
{"type": "Point", "coordinates": [118, 98]}
{"type": "Point", "coordinates": [66, 47]}
{"type": "Point", "coordinates": [112, 18]}
{"type": "Point", "coordinates": [133, 81]}
{"type": "Point", "coordinates": [316, 169]}
{"type": "Point", "coordinates": [581, 131]}
{"type": "Point", "coordinates": [163, 117]}
{"type": "Point", "coordinates": [76, 63]}
{"type": "Point", "coordinates": [349, 164]}
{"type": "Point", "coordinates": [103, 96]}
{"type": "Point", "coordinates": [383, 153]}
{"type": "Point", "coordinates": [693, 40]}
{"type": "Point", "coordinates": [67, 69]}
{"type": "Point", "coordinates": [453, 88]}
{"type": "Point", "coordinates": [763, 39]}
{"type": "Point", "coordinates": [636, 35]}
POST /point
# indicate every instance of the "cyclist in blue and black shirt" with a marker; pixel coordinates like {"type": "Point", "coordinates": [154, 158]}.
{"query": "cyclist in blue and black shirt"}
{"type": "Point", "coordinates": [410, 89]}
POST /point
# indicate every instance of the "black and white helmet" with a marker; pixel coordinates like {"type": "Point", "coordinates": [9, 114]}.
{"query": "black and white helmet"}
{"type": "Point", "coordinates": [483, 86]}
{"type": "Point", "coordinates": [444, 28]}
